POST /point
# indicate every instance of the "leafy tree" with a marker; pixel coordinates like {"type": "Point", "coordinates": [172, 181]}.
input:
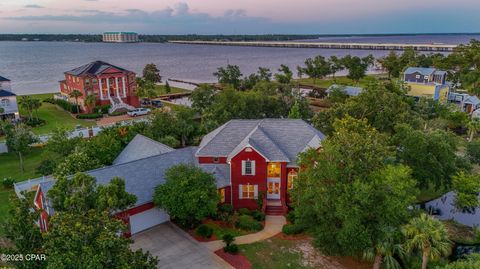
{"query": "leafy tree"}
{"type": "Point", "coordinates": [18, 140]}
{"type": "Point", "coordinates": [20, 228]}
{"type": "Point", "coordinates": [78, 161]}
{"type": "Point", "coordinates": [229, 75]}
{"type": "Point", "coordinates": [427, 235]}
{"type": "Point", "coordinates": [36, 104]}
{"type": "Point", "coordinates": [467, 188]}
{"type": "Point", "coordinates": [429, 109]}
{"type": "Point", "coordinates": [46, 167]}
{"type": "Point", "coordinates": [336, 65]}
{"type": "Point", "coordinates": [470, 262]}
{"type": "Point", "coordinates": [337, 95]}
{"type": "Point", "coordinates": [392, 64]}
{"type": "Point", "coordinates": [295, 112]}
{"type": "Point", "coordinates": [346, 190]}
{"type": "Point", "coordinates": [146, 89]}
{"type": "Point", "coordinates": [202, 97]}
{"type": "Point", "coordinates": [103, 148]}
{"type": "Point", "coordinates": [185, 124]}
{"type": "Point", "coordinates": [151, 74]}
{"type": "Point", "coordinates": [167, 87]}
{"type": "Point", "coordinates": [264, 74]}
{"type": "Point", "coordinates": [357, 67]}
{"type": "Point", "coordinates": [61, 143]}
{"type": "Point", "coordinates": [113, 197]}
{"type": "Point", "coordinates": [170, 141]}
{"type": "Point", "coordinates": [431, 155]}
{"type": "Point", "coordinates": [76, 94]}
{"type": "Point", "coordinates": [91, 240]}
{"type": "Point", "coordinates": [316, 68]}
{"type": "Point", "coordinates": [188, 195]}
{"type": "Point", "coordinates": [284, 75]}
{"type": "Point", "coordinates": [25, 102]}
{"type": "Point", "coordinates": [473, 126]}
{"type": "Point", "coordinates": [473, 151]}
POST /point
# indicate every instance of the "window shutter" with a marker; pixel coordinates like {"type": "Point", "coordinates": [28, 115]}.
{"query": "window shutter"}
{"type": "Point", "coordinates": [253, 168]}
{"type": "Point", "coordinates": [240, 195]}
{"type": "Point", "coordinates": [255, 191]}
{"type": "Point", "coordinates": [243, 168]}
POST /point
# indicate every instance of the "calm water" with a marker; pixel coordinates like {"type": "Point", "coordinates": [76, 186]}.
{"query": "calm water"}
{"type": "Point", "coordinates": [36, 67]}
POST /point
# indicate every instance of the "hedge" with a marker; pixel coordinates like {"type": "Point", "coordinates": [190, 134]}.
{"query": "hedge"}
{"type": "Point", "coordinates": [89, 116]}
{"type": "Point", "coordinates": [70, 107]}
{"type": "Point", "coordinates": [204, 231]}
{"type": "Point", "coordinates": [291, 229]}
{"type": "Point", "coordinates": [247, 223]}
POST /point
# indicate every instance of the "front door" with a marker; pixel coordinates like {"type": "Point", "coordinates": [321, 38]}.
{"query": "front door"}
{"type": "Point", "coordinates": [273, 188]}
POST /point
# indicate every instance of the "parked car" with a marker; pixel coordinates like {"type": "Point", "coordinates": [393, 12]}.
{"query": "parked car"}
{"type": "Point", "coordinates": [138, 112]}
{"type": "Point", "coordinates": [157, 103]}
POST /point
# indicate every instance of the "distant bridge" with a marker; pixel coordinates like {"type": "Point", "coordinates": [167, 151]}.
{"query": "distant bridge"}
{"type": "Point", "coordinates": [326, 45]}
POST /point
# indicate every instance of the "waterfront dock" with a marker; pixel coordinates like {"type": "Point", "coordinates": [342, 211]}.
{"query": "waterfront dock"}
{"type": "Point", "coordinates": [326, 45]}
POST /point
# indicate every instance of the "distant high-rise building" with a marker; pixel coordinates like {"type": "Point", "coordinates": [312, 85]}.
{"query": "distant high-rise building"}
{"type": "Point", "coordinates": [120, 37]}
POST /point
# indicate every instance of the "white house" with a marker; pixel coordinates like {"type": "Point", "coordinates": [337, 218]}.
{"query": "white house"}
{"type": "Point", "coordinates": [8, 101]}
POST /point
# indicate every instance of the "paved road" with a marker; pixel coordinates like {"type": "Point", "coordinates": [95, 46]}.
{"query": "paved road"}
{"type": "Point", "coordinates": [175, 249]}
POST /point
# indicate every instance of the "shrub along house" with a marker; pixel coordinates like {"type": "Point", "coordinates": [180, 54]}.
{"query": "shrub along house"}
{"type": "Point", "coordinates": [111, 85]}
{"type": "Point", "coordinates": [247, 158]}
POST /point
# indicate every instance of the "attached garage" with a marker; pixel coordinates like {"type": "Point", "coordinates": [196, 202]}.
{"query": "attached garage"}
{"type": "Point", "coordinates": [147, 219]}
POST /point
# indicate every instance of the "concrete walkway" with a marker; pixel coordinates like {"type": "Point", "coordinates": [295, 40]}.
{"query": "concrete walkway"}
{"type": "Point", "coordinates": [273, 226]}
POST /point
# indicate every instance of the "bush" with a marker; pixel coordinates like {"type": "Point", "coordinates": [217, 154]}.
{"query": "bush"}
{"type": "Point", "coordinates": [244, 211]}
{"type": "Point", "coordinates": [233, 249]}
{"type": "Point", "coordinates": [224, 212]}
{"type": "Point", "coordinates": [49, 100]}
{"type": "Point", "coordinates": [46, 167]}
{"type": "Point", "coordinates": [230, 247]}
{"type": "Point", "coordinates": [247, 223]}
{"type": "Point", "coordinates": [70, 107]}
{"type": "Point", "coordinates": [473, 151]}
{"type": "Point", "coordinates": [291, 216]}
{"type": "Point", "coordinates": [225, 208]}
{"type": "Point", "coordinates": [291, 229]}
{"type": "Point", "coordinates": [258, 215]}
{"type": "Point", "coordinates": [34, 122]}
{"type": "Point", "coordinates": [118, 113]}
{"type": "Point", "coordinates": [7, 182]}
{"type": "Point", "coordinates": [89, 116]}
{"type": "Point", "coordinates": [204, 231]}
{"type": "Point", "coordinates": [103, 109]}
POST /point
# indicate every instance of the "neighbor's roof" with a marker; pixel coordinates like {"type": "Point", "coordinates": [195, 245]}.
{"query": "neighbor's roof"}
{"type": "Point", "coordinates": [139, 148]}
{"type": "Point", "coordinates": [472, 99]}
{"type": "Point", "coordinates": [4, 79]}
{"type": "Point", "coordinates": [276, 139]}
{"type": "Point", "coordinates": [349, 90]}
{"type": "Point", "coordinates": [422, 70]}
{"type": "Point", "coordinates": [4, 93]}
{"type": "Point", "coordinates": [93, 68]}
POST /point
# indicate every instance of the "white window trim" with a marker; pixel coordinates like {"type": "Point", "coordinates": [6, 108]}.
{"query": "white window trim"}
{"type": "Point", "coordinates": [244, 168]}
{"type": "Point", "coordinates": [240, 191]}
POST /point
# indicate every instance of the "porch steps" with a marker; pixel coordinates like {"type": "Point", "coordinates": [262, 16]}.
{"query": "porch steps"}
{"type": "Point", "coordinates": [274, 210]}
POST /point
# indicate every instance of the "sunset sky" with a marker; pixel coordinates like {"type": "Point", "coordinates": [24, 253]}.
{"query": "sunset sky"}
{"type": "Point", "coordinates": [239, 17]}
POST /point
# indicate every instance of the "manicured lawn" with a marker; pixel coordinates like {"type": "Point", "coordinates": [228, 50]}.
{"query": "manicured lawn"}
{"type": "Point", "coordinates": [160, 89]}
{"type": "Point", "coordinates": [10, 167]}
{"type": "Point", "coordinates": [219, 231]}
{"type": "Point", "coordinates": [54, 116]}
{"type": "Point", "coordinates": [280, 253]}
{"type": "Point", "coordinates": [327, 82]}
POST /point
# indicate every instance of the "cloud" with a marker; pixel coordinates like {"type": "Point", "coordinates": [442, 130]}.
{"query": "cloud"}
{"type": "Point", "coordinates": [33, 6]}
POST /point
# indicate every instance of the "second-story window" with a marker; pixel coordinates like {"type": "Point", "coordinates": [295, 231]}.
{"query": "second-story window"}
{"type": "Point", "coordinates": [248, 168]}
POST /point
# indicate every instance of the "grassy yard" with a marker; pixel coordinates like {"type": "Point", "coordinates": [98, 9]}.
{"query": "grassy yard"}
{"type": "Point", "coordinates": [219, 231]}
{"type": "Point", "coordinates": [9, 167]}
{"type": "Point", "coordinates": [54, 116]}
{"type": "Point", "coordinates": [160, 89]}
{"type": "Point", "coordinates": [342, 80]}
{"type": "Point", "coordinates": [280, 253]}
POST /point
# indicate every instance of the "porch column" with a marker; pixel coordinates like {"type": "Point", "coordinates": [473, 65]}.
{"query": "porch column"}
{"type": "Point", "coordinates": [108, 87]}
{"type": "Point", "coordinates": [101, 90]}
{"type": "Point", "coordinates": [116, 87]}
{"type": "Point", "coordinates": [124, 89]}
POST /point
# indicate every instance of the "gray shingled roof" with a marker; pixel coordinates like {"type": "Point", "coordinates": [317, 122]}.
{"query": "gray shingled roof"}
{"type": "Point", "coordinates": [4, 79]}
{"type": "Point", "coordinates": [276, 139]}
{"type": "Point", "coordinates": [4, 93]}
{"type": "Point", "coordinates": [422, 70]}
{"type": "Point", "coordinates": [220, 171]}
{"type": "Point", "coordinates": [141, 147]}
{"type": "Point", "coordinates": [349, 90]}
{"type": "Point", "coordinates": [93, 68]}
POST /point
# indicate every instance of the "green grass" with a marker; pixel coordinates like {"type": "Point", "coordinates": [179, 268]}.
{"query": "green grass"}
{"type": "Point", "coordinates": [219, 231]}
{"type": "Point", "coordinates": [10, 167]}
{"type": "Point", "coordinates": [54, 116]}
{"type": "Point", "coordinates": [342, 80]}
{"type": "Point", "coordinates": [273, 253]}
{"type": "Point", "coordinates": [160, 89]}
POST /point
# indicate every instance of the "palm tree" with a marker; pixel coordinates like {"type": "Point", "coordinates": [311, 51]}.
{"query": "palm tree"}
{"type": "Point", "coordinates": [26, 103]}
{"type": "Point", "coordinates": [386, 249]}
{"type": "Point", "coordinates": [36, 104]}
{"type": "Point", "coordinates": [75, 94]}
{"type": "Point", "coordinates": [428, 235]}
{"type": "Point", "coordinates": [473, 127]}
{"type": "Point", "coordinates": [90, 101]}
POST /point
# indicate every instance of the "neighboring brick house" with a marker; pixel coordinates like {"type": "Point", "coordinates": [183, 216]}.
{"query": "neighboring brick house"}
{"type": "Point", "coordinates": [8, 101]}
{"type": "Point", "coordinates": [427, 82]}
{"type": "Point", "coordinates": [108, 83]}
{"type": "Point", "coordinates": [247, 158]}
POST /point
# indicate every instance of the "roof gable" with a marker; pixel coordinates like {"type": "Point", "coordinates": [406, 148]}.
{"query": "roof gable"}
{"type": "Point", "coordinates": [4, 79]}
{"type": "Point", "coordinates": [4, 93]}
{"type": "Point", "coordinates": [141, 147]}
{"type": "Point", "coordinates": [421, 70]}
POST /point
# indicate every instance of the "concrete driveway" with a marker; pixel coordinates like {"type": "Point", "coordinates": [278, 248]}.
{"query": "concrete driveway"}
{"type": "Point", "coordinates": [175, 249]}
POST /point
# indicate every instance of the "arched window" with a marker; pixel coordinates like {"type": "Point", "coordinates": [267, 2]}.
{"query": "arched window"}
{"type": "Point", "coordinates": [292, 176]}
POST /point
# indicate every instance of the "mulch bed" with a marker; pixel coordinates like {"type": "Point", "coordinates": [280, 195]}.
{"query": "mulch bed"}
{"type": "Point", "coordinates": [199, 238]}
{"type": "Point", "coordinates": [292, 237]}
{"type": "Point", "coordinates": [238, 261]}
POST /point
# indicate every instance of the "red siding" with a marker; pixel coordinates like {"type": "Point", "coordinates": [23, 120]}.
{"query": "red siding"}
{"type": "Point", "coordinates": [211, 160]}
{"type": "Point", "coordinates": [258, 179]}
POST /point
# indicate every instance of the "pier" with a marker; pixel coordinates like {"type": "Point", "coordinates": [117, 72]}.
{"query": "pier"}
{"type": "Point", "coordinates": [326, 45]}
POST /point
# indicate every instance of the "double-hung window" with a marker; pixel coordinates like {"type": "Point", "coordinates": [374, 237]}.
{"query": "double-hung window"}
{"type": "Point", "coordinates": [248, 168]}
{"type": "Point", "coordinates": [248, 191]}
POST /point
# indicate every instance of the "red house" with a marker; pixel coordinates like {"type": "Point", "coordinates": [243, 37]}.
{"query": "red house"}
{"type": "Point", "coordinates": [247, 157]}
{"type": "Point", "coordinates": [108, 83]}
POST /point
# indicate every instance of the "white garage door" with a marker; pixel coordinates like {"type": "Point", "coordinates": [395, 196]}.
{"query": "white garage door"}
{"type": "Point", "coordinates": [147, 219]}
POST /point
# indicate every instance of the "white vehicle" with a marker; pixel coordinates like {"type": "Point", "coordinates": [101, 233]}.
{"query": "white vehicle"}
{"type": "Point", "coordinates": [138, 112]}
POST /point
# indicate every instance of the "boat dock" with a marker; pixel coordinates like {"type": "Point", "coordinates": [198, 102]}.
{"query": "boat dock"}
{"type": "Point", "coordinates": [326, 45]}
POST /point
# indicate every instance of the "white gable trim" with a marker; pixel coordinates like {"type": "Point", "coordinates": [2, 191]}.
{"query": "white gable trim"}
{"type": "Point", "coordinates": [236, 151]}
